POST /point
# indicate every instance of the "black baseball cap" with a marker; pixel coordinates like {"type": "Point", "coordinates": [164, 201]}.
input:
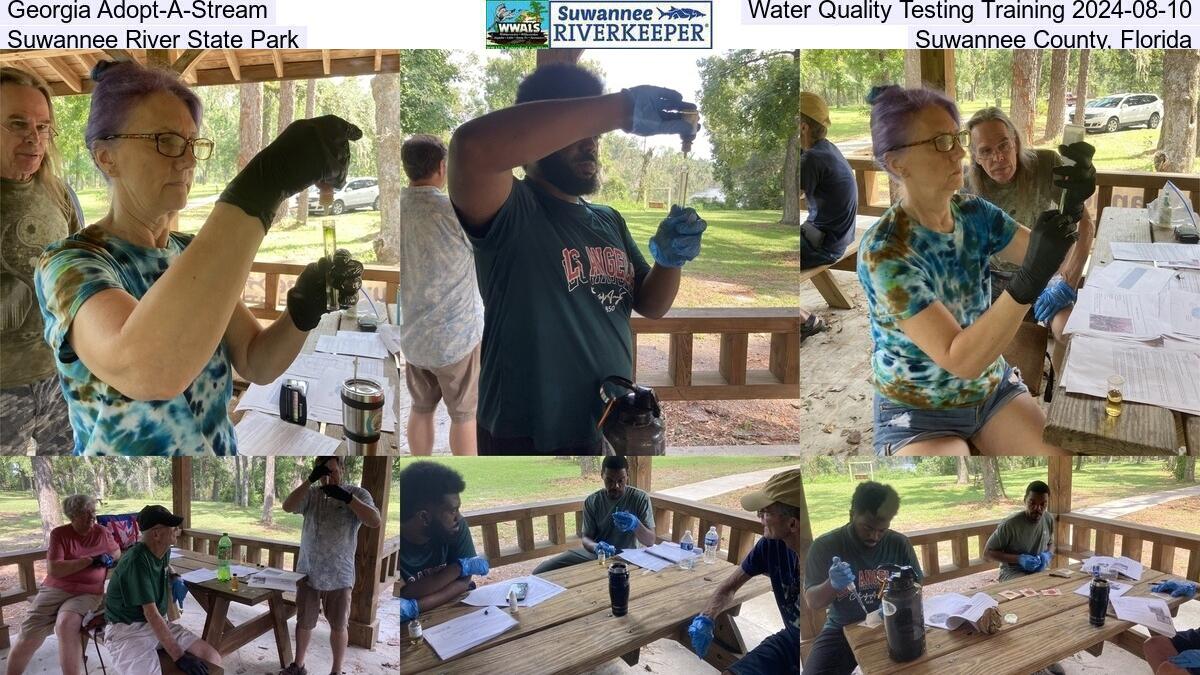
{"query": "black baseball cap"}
{"type": "Point", "coordinates": [155, 514]}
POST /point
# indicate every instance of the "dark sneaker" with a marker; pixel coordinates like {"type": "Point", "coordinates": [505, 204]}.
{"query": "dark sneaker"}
{"type": "Point", "coordinates": [812, 326]}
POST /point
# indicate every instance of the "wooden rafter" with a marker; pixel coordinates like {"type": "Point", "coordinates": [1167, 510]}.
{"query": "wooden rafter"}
{"type": "Point", "coordinates": [378, 59]}
{"type": "Point", "coordinates": [185, 64]}
{"type": "Point", "coordinates": [62, 67]}
{"type": "Point", "coordinates": [325, 60]}
{"type": "Point", "coordinates": [87, 60]}
{"type": "Point", "coordinates": [235, 67]}
{"type": "Point", "coordinates": [277, 59]}
{"type": "Point", "coordinates": [120, 55]}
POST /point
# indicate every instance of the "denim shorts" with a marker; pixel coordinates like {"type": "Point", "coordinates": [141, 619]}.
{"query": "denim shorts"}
{"type": "Point", "coordinates": [897, 425]}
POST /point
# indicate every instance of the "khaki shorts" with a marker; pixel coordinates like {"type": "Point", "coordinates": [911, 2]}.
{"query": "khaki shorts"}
{"type": "Point", "coordinates": [457, 384]}
{"type": "Point", "coordinates": [335, 605]}
{"type": "Point", "coordinates": [133, 646]}
{"type": "Point", "coordinates": [43, 613]}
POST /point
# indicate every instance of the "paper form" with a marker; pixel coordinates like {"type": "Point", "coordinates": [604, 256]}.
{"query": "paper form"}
{"type": "Point", "coordinates": [1115, 314]}
{"type": "Point", "coordinates": [1171, 255]}
{"type": "Point", "coordinates": [1155, 375]}
{"type": "Point", "coordinates": [539, 591]}
{"type": "Point", "coordinates": [1129, 277]}
{"type": "Point", "coordinates": [952, 610]}
{"type": "Point", "coordinates": [456, 636]}
{"type": "Point", "coordinates": [353, 343]}
{"type": "Point", "coordinates": [1152, 613]}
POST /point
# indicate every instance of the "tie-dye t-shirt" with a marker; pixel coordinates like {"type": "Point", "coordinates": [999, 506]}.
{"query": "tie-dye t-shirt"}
{"type": "Point", "coordinates": [905, 268]}
{"type": "Point", "coordinates": [106, 422]}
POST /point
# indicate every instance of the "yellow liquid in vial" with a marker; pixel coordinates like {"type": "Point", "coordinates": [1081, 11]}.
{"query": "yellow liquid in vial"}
{"type": "Point", "coordinates": [329, 238]}
{"type": "Point", "coordinates": [1112, 406]}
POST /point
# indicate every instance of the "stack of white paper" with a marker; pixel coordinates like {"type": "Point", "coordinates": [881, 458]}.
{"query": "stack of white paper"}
{"type": "Point", "coordinates": [1123, 565]}
{"type": "Point", "coordinates": [952, 610]}
{"type": "Point", "coordinates": [279, 580]}
{"type": "Point", "coordinates": [1159, 375]}
{"type": "Point", "coordinates": [324, 374]}
{"type": "Point", "coordinates": [1115, 314]}
{"type": "Point", "coordinates": [1165, 254]}
{"type": "Point", "coordinates": [353, 343]}
{"type": "Point", "coordinates": [265, 435]}
{"type": "Point", "coordinates": [1130, 277]}
{"type": "Point", "coordinates": [1152, 613]}
{"type": "Point", "coordinates": [670, 551]}
{"type": "Point", "coordinates": [538, 592]}
{"type": "Point", "coordinates": [199, 576]}
{"type": "Point", "coordinates": [645, 560]}
{"type": "Point", "coordinates": [1115, 589]}
{"type": "Point", "coordinates": [456, 636]}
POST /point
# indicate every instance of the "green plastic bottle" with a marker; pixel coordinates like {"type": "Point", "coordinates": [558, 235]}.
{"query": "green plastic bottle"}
{"type": "Point", "coordinates": [224, 552]}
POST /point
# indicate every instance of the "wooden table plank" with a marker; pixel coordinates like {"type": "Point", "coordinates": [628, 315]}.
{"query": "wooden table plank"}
{"type": "Point", "coordinates": [1077, 422]}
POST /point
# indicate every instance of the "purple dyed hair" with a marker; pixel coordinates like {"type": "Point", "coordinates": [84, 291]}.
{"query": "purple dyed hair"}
{"type": "Point", "coordinates": [120, 85]}
{"type": "Point", "coordinates": [892, 110]}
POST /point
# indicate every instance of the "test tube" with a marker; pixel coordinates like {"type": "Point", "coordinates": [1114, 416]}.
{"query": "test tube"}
{"type": "Point", "coordinates": [329, 238]}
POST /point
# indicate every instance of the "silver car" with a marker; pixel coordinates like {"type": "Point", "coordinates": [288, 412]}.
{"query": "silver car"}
{"type": "Point", "coordinates": [357, 193]}
{"type": "Point", "coordinates": [1111, 113]}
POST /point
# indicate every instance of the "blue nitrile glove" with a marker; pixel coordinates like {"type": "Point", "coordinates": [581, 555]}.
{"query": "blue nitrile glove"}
{"type": "Point", "coordinates": [1188, 659]}
{"type": "Point", "coordinates": [677, 240]}
{"type": "Point", "coordinates": [605, 548]}
{"type": "Point", "coordinates": [701, 633]}
{"type": "Point", "coordinates": [408, 609]}
{"type": "Point", "coordinates": [626, 521]}
{"type": "Point", "coordinates": [1054, 299]}
{"type": "Point", "coordinates": [1177, 589]}
{"type": "Point", "coordinates": [179, 590]}
{"type": "Point", "coordinates": [840, 575]}
{"type": "Point", "coordinates": [103, 560]}
{"type": "Point", "coordinates": [476, 566]}
{"type": "Point", "coordinates": [650, 117]}
{"type": "Point", "coordinates": [1029, 563]}
{"type": "Point", "coordinates": [1046, 557]}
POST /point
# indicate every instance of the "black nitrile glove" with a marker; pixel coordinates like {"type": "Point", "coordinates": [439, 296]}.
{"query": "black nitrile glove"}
{"type": "Point", "coordinates": [308, 151]}
{"type": "Point", "coordinates": [306, 300]}
{"type": "Point", "coordinates": [191, 665]}
{"type": "Point", "coordinates": [1049, 242]}
{"type": "Point", "coordinates": [337, 492]}
{"type": "Point", "coordinates": [318, 472]}
{"type": "Point", "coordinates": [1078, 181]}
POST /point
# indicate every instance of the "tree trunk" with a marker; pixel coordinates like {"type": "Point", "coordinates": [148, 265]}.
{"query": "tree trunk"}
{"type": "Point", "coordinates": [1056, 114]}
{"type": "Point", "coordinates": [247, 471]}
{"type": "Point", "coordinates": [587, 467]}
{"type": "Point", "coordinates": [268, 505]}
{"type": "Point", "coordinates": [642, 172]}
{"type": "Point", "coordinates": [287, 112]}
{"type": "Point", "coordinates": [310, 104]}
{"type": "Point", "coordinates": [237, 481]}
{"type": "Point", "coordinates": [791, 180]}
{"type": "Point", "coordinates": [385, 89]}
{"type": "Point", "coordinates": [249, 122]}
{"type": "Point", "coordinates": [1081, 78]}
{"type": "Point", "coordinates": [149, 474]}
{"type": "Point", "coordinates": [964, 474]}
{"type": "Point", "coordinates": [47, 498]}
{"type": "Point", "coordinates": [993, 488]}
{"type": "Point", "coordinates": [912, 68]}
{"type": "Point", "coordinates": [1189, 469]}
{"type": "Point", "coordinates": [1078, 463]}
{"type": "Point", "coordinates": [1024, 91]}
{"type": "Point", "coordinates": [1181, 94]}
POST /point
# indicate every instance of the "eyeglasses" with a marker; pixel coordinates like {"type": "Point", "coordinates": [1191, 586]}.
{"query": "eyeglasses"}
{"type": "Point", "coordinates": [171, 144]}
{"type": "Point", "coordinates": [988, 154]}
{"type": "Point", "coordinates": [943, 142]}
{"type": "Point", "coordinates": [22, 127]}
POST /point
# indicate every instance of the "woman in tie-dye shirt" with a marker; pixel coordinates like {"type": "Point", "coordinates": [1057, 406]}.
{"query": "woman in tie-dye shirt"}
{"type": "Point", "coordinates": [940, 379]}
{"type": "Point", "coordinates": [147, 324]}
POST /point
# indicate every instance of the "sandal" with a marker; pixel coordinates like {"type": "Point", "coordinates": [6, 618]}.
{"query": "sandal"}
{"type": "Point", "coordinates": [812, 326]}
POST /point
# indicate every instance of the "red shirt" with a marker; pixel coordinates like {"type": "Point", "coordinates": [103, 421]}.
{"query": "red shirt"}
{"type": "Point", "coordinates": [66, 544]}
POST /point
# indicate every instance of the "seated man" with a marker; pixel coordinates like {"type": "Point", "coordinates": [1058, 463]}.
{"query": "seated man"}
{"type": "Point", "coordinates": [846, 560]}
{"type": "Point", "coordinates": [614, 519]}
{"type": "Point", "coordinates": [776, 555]}
{"type": "Point", "coordinates": [1023, 543]}
{"type": "Point", "coordinates": [437, 556]}
{"type": "Point", "coordinates": [1180, 654]}
{"type": "Point", "coordinates": [136, 608]}
{"type": "Point", "coordinates": [828, 184]}
{"type": "Point", "coordinates": [77, 561]}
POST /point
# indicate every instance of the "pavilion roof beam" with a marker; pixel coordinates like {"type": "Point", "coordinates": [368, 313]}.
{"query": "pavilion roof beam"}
{"type": "Point", "coordinates": [62, 67]}
{"type": "Point", "coordinates": [235, 67]}
{"type": "Point", "coordinates": [277, 59]}
{"type": "Point", "coordinates": [120, 55]}
{"type": "Point", "coordinates": [325, 60]}
{"type": "Point", "coordinates": [378, 60]}
{"type": "Point", "coordinates": [185, 64]}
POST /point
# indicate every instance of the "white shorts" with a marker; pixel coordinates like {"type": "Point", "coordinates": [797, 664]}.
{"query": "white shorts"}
{"type": "Point", "coordinates": [133, 646]}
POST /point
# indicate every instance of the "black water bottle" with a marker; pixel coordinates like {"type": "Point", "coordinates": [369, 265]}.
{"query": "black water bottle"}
{"type": "Point", "coordinates": [633, 422]}
{"type": "Point", "coordinates": [618, 589]}
{"type": "Point", "coordinates": [1097, 598]}
{"type": "Point", "coordinates": [903, 614]}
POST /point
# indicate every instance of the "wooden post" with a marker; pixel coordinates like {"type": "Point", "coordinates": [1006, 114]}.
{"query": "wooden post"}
{"type": "Point", "coordinates": [639, 472]}
{"type": "Point", "coordinates": [364, 597]}
{"type": "Point", "coordinates": [937, 69]}
{"type": "Point", "coordinates": [811, 620]}
{"type": "Point", "coordinates": [1059, 479]}
{"type": "Point", "coordinates": [181, 489]}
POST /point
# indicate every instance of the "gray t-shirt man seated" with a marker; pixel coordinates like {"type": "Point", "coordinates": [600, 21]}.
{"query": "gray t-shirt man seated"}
{"type": "Point", "coordinates": [1023, 543]}
{"type": "Point", "coordinates": [614, 519]}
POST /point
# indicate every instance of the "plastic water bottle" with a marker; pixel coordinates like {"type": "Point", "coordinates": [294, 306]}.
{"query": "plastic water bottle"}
{"type": "Point", "coordinates": [687, 545]}
{"type": "Point", "coordinates": [711, 542]}
{"type": "Point", "coordinates": [224, 550]}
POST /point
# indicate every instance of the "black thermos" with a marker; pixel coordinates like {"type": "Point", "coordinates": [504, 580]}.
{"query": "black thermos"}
{"type": "Point", "coordinates": [1097, 599]}
{"type": "Point", "coordinates": [618, 588]}
{"type": "Point", "coordinates": [903, 614]}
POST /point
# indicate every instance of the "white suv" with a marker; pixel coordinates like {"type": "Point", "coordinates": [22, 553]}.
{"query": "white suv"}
{"type": "Point", "coordinates": [356, 193]}
{"type": "Point", "coordinates": [1110, 113]}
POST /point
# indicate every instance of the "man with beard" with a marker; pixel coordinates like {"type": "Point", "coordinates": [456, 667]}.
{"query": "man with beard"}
{"type": "Point", "coordinates": [560, 276]}
{"type": "Point", "coordinates": [779, 506]}
{"type": "Point", "coordinates": [846, 560]}
{"type": "Point", "coordinates": [1023, 543]}
{"type": "Point", "coordinates": [615, 518]}
{"type": "Point", "coordinates": [437, 556]}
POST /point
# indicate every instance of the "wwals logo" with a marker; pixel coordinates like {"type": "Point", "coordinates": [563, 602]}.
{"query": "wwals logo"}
{"type": "Point", "coordinates": [515, 24]}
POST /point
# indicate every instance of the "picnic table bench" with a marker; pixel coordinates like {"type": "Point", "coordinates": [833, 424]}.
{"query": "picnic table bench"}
{"type": "Point", "coordinates": [822, 276]}
{"type": "Point", "coordinates": [1048, 629]}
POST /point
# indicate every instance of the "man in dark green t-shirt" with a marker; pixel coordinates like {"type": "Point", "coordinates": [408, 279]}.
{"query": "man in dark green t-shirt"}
{"type": "Point", "coordinates": [848, 559]}
{"type": "Point", "coordinates": [136, 606]}
{"type": "Point", "coordinates": [560, 276]}
{"type": "Point", "coordinates": [437, 556]}
{"type": "Point", "coordinates": [615, 518]}
{"type": "Point", "coordinates": [1023, 543]}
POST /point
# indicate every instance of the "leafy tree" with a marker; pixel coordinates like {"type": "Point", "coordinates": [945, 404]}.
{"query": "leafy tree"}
{"type": "Point", "coordinates": [428, 97]}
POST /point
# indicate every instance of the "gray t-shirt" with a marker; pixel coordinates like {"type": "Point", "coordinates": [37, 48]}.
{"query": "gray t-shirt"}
{"type": "Point", "coordinates": [1017, 534]}
{"type": "Point", "coordinates": [1023, 200]}
{"type": "Point", "coordinates": [893, 548]}
{"type": "Point", "coordinates": [440, 309]}
{"type": "Point", "coordinates": [597, 516]}
{"type": "Point", "coordinates": [329, 537]}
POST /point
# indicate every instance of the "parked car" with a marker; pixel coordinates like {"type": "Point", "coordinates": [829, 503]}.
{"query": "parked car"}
{"type": "Point", "coordinates": [1111, 113]}
{"type": "Point", "coordinates": [357, 193]}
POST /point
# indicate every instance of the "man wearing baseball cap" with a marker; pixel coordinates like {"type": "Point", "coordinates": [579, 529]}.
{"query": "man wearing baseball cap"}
{"type": "Point", "coordinates": [136, 608]}
{"type": "Point", "coordinates": [780, 506]}
{"type": "Point", "coordinates": [832, 195]}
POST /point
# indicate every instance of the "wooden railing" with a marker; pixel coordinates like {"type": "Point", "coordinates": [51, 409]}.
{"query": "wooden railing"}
{"type": "Point", "coordinates": [872, 203]}
{"type": "Point", "coordinates": [389, 567]}
{"type": "Point", "coordinates": [1081, 536]}
{"type": "Point", "coordinates": [274, 294]}
{"type": "Point", "coordinates": [672, 516]}
{"type": "Point", "coordinates": [732, 380]}
{"type": "Point", "coordinates": [927, 544]}
{"type": "Point", "coordinates": [253, 548]}
{"type": "Point", "coordinates": [26, 583]}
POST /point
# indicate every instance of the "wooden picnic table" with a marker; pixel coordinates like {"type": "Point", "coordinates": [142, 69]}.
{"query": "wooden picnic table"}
{"type": "Point", "coordinates": [822, 276]}
{"type": "Point", "coordinates": [1077, 422]}
{"type": "Point", "coordinates": [1048, 629]}
{"type": "Point", "coordinates": [575, 630]}
{"type": "Point", "coordinates": [330, 324]}
{"type": "Point", "coordinates": [215, 596]}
